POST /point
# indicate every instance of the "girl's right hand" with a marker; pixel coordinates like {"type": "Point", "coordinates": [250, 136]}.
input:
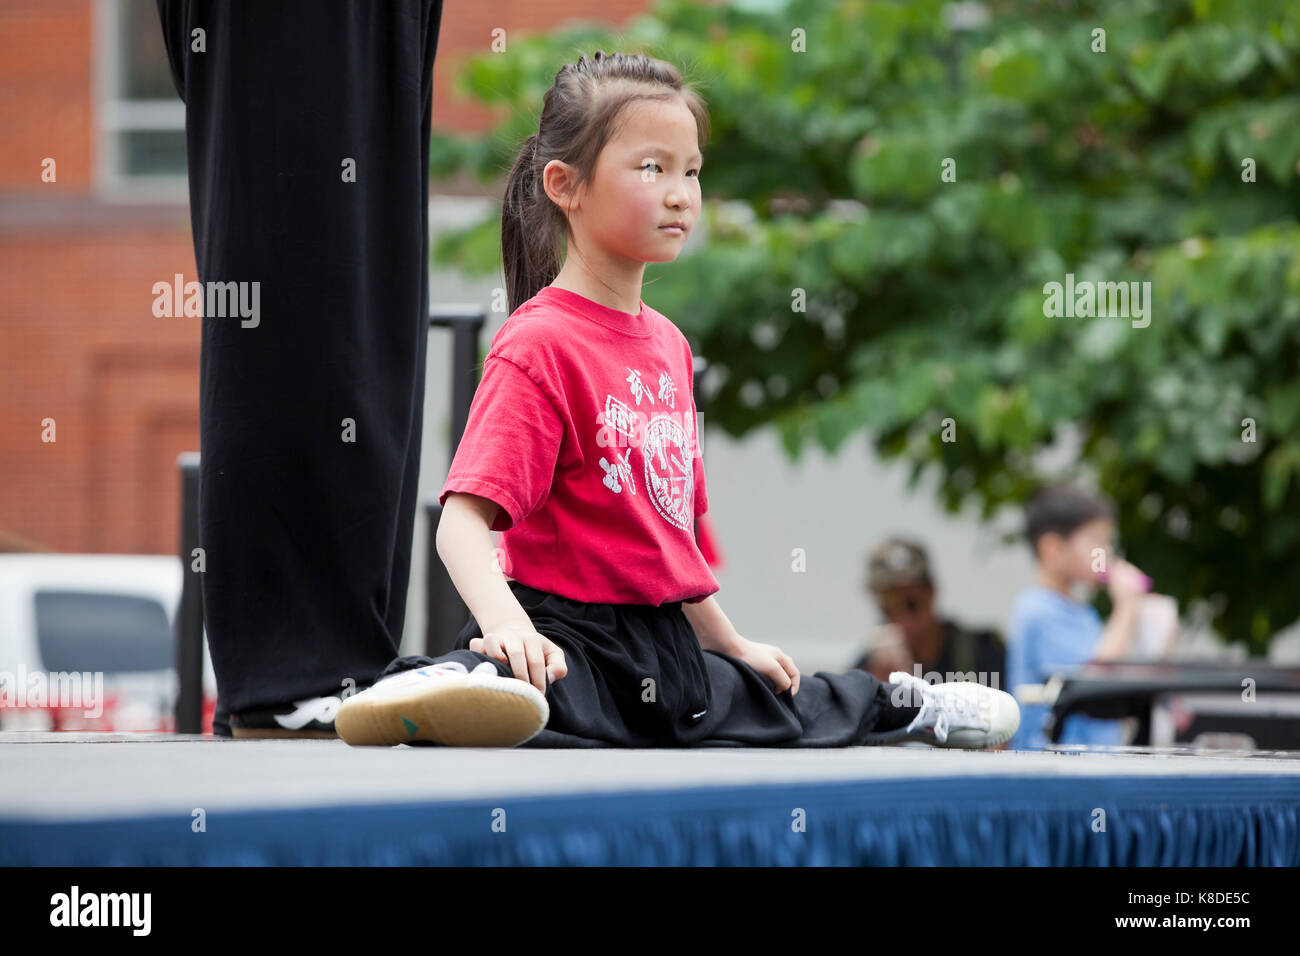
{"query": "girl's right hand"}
{"type": "Point", "coordinates": [532, 656]}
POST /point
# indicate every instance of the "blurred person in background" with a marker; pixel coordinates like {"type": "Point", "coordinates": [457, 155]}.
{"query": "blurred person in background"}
{"type": "Point", "coordinates": [914, 638]}
{"type": "Point", "coordinates": [1052, 629]}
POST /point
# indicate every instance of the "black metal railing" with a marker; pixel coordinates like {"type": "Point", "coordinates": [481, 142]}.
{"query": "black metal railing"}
{"type": "Point", "coordinates": [445, 612]}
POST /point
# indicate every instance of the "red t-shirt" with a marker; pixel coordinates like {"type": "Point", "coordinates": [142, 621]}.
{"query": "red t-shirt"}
{"type": "Point", "coordinates": [583, 429]}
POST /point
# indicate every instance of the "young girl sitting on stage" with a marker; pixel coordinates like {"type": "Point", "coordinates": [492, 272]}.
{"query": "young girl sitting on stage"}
{"type": "Point", "coordinates": [595, 625]}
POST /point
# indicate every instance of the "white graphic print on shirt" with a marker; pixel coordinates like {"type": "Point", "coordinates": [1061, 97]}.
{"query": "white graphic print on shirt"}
{"type": "Point", "coordinates": [620, 469]}
{"type": "Point", "coordinates": [666, 445]}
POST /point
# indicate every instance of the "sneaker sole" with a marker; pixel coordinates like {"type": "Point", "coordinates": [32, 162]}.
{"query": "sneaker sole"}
{"type": "Point", "coordinates": [987, 741]}
{"type": "Point", "coordinates": [272, 733]}
{"type": "Point", "coordinates": [458, 715]}
{"type": "Point", "coordinates": [955, 741]}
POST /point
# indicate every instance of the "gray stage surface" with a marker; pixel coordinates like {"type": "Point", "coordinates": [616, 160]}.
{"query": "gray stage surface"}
{"type": "Point", "coordinates": [61, 777]}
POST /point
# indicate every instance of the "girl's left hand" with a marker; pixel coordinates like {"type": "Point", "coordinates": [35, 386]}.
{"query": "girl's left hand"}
{"type": "Point", "coordinates": [770, 661]}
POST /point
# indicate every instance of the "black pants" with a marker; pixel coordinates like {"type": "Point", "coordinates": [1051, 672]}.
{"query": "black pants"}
{"type": "Point", "coordinates": [637, 677]}
{"type": "Point", "coordinates": [310, 419]}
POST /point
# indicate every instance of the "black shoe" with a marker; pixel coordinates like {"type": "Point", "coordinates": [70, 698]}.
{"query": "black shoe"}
{"type": "Point", "coordinates": [311, 718]}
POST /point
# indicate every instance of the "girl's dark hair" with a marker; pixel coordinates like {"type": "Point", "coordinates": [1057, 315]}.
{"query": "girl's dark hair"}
{"type": "Point", "coordinates": [579, 116]}
{"type": "Point", "coordinates": [1062, 509]}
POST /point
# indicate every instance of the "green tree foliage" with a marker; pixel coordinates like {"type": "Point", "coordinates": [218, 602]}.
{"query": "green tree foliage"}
{"type": "Point", "coordinates": [846, 288]}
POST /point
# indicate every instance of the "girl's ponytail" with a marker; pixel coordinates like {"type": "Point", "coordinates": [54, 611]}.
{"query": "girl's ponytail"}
{"type": "Point", "coordinates": [529, 250]}
{"type": "Point", "coordinates": [578, 118]}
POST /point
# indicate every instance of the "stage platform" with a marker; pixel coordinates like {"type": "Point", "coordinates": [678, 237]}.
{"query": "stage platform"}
{"type": "Point", "coordinates": [118, 799]}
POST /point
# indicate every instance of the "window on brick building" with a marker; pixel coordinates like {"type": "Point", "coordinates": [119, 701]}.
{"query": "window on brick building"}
{"type": "Point", "coordinates": [141, 119]}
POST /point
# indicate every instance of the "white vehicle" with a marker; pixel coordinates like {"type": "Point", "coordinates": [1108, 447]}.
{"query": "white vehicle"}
{"type": "Point", "coordinates": [87, 643]}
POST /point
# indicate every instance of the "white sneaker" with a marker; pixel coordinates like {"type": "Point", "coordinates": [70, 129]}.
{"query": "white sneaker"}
{"type": "Point", "coordinates": [959, 713]}
{"type": "Point", "coordinates": [445, 704]}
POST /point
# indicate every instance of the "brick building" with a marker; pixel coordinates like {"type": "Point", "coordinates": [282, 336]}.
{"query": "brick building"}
{"type": "Point", "coordinates": [93, 212]}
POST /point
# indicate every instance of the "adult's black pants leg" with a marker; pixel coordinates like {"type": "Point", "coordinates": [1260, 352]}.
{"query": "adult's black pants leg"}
{"type": "Point", "coordinates": [307, 130]}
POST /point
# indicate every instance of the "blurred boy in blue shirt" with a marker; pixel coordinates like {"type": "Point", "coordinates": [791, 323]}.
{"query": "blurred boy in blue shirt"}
{"type": "Point", "coordinates": [1052, 630]}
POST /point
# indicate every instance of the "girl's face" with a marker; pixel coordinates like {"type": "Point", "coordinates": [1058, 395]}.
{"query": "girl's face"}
{"type": "Point", "coordinates": [646, 177]}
